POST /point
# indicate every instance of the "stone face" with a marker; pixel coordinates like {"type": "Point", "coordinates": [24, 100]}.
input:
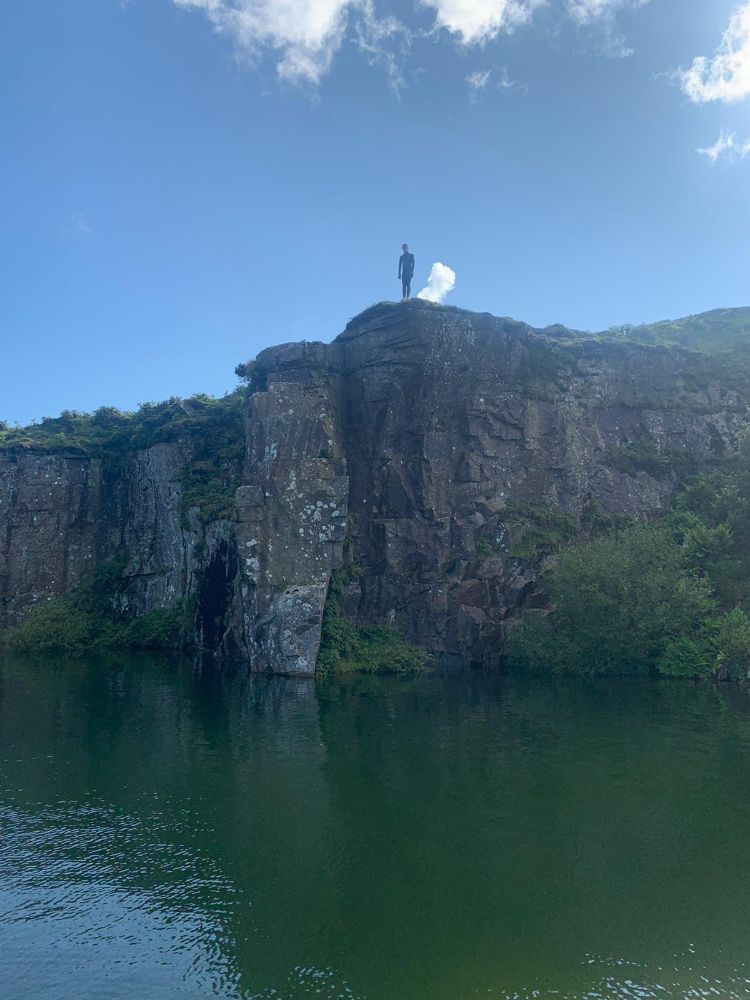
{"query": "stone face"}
{"type": "Point", "coordinates": [63, 515]}
{"type": "Point", "coordinates": [394, 452]}
{"type": "Point", "coordinates": [451, 415]}
{"type": "Point", "coordinates": [292, 519]}
{"type": "Point", "coordinates": [158, 545]}
{"type": "Point", "coordinates": [50, 529]}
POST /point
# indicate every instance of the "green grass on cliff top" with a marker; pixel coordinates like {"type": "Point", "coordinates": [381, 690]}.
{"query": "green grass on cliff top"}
{"type": "Point", "coordinates": [211, 429]}
{"type": "Point", "coordinates": [720, 332]}
{"type": "Point", "coordinates": [109, 431]}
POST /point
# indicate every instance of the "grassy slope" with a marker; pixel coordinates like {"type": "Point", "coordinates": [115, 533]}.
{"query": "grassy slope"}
{"type": "Point", "coordinates": [722, 331]}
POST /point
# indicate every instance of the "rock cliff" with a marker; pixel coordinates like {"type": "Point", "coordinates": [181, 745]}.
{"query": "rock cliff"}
{"type": "Point", "coordinates": [415, 457]}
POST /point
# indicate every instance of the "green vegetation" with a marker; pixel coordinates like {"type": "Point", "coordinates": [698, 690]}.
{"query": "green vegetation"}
{"type": "Point", "coordinates": [211, 478]}
{"type": "Point", "coordinates": [211, 429]}
{"type": "Point", "coordinates": [371, 649]}
{"type": "Point", "coordinates": [722, 331]}
{"type": "Point", "coordinates": [636, 458]}
{"type": "Point", "coordinates": [251, 373]}
{"type": "Point", "coordinates": [620, 600]}
{"type": "Point", "coordinates": [109, 431]}
{"type": "Point", "coordinates": [538, 528]}
{"type": "Point", "coordinates": [669, 598]}
{"type": "Point", "coordinates": [93, 616]}
{"type": "Point", "coordinates": [531, 530]}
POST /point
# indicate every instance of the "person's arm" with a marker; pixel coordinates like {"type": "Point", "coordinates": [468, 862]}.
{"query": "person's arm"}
{"type": "Point", "coordinates": [400, 265]}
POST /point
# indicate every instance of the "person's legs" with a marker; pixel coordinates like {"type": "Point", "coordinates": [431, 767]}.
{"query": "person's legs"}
{"type": "Point", "coordinates": [407, 287]}
{"type": "Point", "coordinates": [404, 288]}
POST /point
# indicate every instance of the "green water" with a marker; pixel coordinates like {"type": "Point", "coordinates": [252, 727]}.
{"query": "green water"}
{"type": "Point", "coordinates": [169, 833]}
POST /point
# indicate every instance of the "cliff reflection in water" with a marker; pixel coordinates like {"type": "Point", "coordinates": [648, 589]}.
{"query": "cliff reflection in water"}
{"type": "Point", "coordinates": [169, 832]}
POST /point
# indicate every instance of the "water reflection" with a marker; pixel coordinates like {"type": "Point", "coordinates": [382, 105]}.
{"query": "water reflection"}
{"type": "Point", "coordinates": [177, 832]}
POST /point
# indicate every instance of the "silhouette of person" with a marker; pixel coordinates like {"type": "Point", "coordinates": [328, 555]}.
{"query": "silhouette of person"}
{"type": "Point", "coordinates": [406, 270]}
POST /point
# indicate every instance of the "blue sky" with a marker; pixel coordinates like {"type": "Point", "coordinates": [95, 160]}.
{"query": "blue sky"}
{"type": "Point", "coordinates": [187, 182]}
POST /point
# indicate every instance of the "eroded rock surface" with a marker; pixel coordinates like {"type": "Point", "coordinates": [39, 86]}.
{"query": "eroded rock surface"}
{"type": "Point", "coordinates": [399, 454]}
{"type": "Point", "coordinates": [292, 517]}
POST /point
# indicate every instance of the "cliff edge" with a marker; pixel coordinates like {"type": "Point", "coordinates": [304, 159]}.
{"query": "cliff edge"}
{"type": "Point", "coordinates": [428, 460]}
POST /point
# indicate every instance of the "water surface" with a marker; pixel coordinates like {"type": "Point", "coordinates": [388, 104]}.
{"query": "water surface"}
{"type": "Point", "coordinates": [168, 832]}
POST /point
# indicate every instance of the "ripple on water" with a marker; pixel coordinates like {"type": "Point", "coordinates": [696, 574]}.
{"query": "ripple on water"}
{"type": "Point", "coordinates": [685, 977]}
{"type": "Point", "coordinates": [72, 911]}
{"type": "Point", "coordinates": [168, 837]}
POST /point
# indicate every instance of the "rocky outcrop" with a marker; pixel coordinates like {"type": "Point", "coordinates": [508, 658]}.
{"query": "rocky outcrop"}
{"type": "Point", "coordinates": [51, 526]}
{"type": "Point", "coordinates": [62, 515]}
{"type": "Point", "coordinates": [452, 416]}
{"type": "Point", "coordinates": [292, 515]}
{"type": "Point", "coordinates": [399, 454]}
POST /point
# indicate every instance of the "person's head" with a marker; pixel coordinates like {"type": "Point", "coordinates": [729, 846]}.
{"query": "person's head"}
{"type": "Point", "coordinates": [405, 247]}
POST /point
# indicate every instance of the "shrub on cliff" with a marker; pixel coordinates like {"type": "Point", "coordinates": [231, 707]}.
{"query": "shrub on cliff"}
{"type": "Point", "coordinates": [109, 432]}
{"type": "Point", "coordinates": [721, 651]}
{"type": "Point", "coordinates": [92, 617]}
{"type": "Point", "coordinates": [372, 649]}
{"type": "Point", "coordinates": [53, 626]}
{"type": "Point", "coordinates": [672, 597]}
{"type": "Point", "coordinates": [620, 601]}
{"type": "Point", "coordinates": [691, 658]}
{"type": "Point", "coordinates": [733, 642]}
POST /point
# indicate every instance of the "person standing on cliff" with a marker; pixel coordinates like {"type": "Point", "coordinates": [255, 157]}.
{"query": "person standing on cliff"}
{"type": "Point", "coordinates": [406, 270]}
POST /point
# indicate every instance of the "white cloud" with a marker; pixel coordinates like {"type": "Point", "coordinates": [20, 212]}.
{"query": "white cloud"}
{"type": "Point", "coordinates": [477, 21]}
{"type": "Point", "coordinates": [384, 41]}
{"type": "Point", "coordinates": [725, 76]}
{"type": "Point", "coordinates": [505, 83]}
{"type": "Point", "coordinates": [479, 79]}
{"type": "Point", "coordinates": [726, 146]}
{"type": "Point", "coordinates": [588, 11]}
{"type": "Point", "coordinates": [442, 280]}
{"type": "Point", "coordinates": [305, 34]}
{"type": "Point", "coordinates": [81, 226]}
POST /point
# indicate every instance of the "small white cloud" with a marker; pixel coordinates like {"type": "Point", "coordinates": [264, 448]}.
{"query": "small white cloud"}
{"type": "Point", "coordinates": [726, 146]}
{"type": "Point", "coordinates": [477, 82]}
{"type": "Point", "coordinates": [304, 34]}
{"type": "Point", "coordinates": [505, 83]}
{"type": "Point", "coordinates": [442, 280]}
{"type": "Point", "coordinates": [479, 79]}
{"type": "Point", "coordinates": [384, 41]}
{"type": "Point", "coordinates": [478, 21]}
{"type": "Point", "coordinates": [590, 13]}
{"type": "Point", "coordinates": [81, 226]}
{"type": "Point", "coordinates": [725, 76]}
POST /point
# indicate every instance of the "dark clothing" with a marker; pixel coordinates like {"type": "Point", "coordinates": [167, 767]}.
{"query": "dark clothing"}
{"type": "Point", "coordinates": [406, 265]}
{"type": "Point", "coordinates": [406, 272]}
